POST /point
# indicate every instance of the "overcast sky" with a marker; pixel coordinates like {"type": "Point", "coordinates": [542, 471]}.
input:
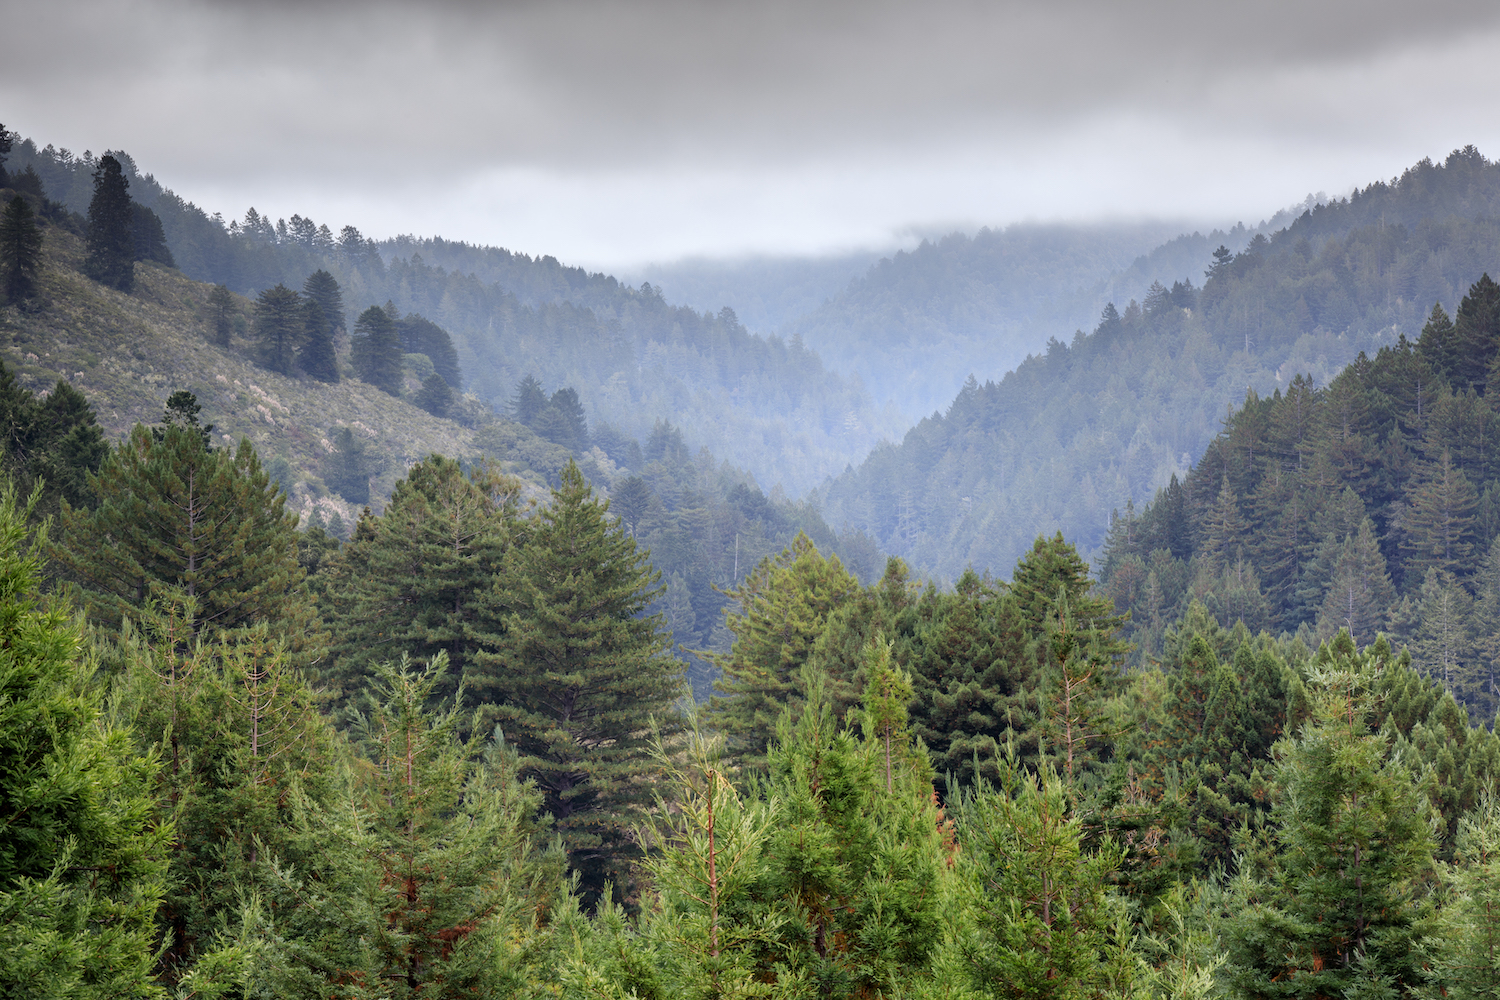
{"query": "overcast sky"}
{"type": "Point", "coordinates": [612, 134]}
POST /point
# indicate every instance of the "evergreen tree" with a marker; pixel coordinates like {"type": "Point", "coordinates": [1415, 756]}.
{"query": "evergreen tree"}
{"type": "Point", "coordinates": [414, 578]}
{"type": "Point", "coordinates": [1440, 522]}
{"type": "Point", "coordinates": [322, 288]}
{"type": "Point", "coordinates": [580, 670]}
{"type": "Point", "coordinates": [54, 441]}
{"type": "Point", "coordinates": [348, 470]}
{"type": "Point", "coordinates": [280, 325]}
{"type": "Point", "coordinates": [1359, 589]}
{"type": "Point", "coordinates": [435, 397]}
{"type": "Point", "coordinates": [318, 357]}
{"type": "Point", "coordinates": [420, 335]}
{"type": "Point", "coordinates": [147, 238]}
{"type": "Point", "coordinates": [210, 523]}
{"type": "Point", "coordinates": [425, 880]}
{"type": "Point", "coordinates": [110, 258]}
{"type": "Point", "coordinates": [82, 856]}
{"type": "Point", "coordinates": [1476, 328]}
{"type": "Point", "coordinates": [220, 315]}
{"type": "Point", "coordinates": [376, 350]}
{"type": "Point", "coordinates": [1338, 911]}
{"type": "Point", "coordinates": [20, 251]}
{"type": "Point", "coordinates": [529, 401]}
{"type": "Point", "coordinates": [1438, 627]}
{"type": "Point", "coordinates": [1466, 947]}
{"type": "Point", "coordinates": [783, 606]}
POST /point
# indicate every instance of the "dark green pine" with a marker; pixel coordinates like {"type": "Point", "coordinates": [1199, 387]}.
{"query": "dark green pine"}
{"type": "Point", "coordinates": [581, 672]}
{"type": "Point", "coordinates": [110, 257]}
{"type": "Point", "coordinates": [376, 350]}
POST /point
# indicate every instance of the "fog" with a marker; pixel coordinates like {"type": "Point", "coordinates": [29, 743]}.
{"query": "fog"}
{"type": "Point", "coordinates": [618, 134]}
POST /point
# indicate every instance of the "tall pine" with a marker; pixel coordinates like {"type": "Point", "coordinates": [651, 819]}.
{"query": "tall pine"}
{"type": "Point", "coordinates": [110, 257]}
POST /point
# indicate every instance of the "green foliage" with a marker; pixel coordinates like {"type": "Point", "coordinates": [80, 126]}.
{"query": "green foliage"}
{"type": "Point", "coordinates": [53, 441]}
{"type": "Point", "coordinates": [280, 325]}
{"type": "Point", "coordinates": [173, 514]}
{"type": "Point", "coordinates": [435, 397]}
{"type": "Point", "coordinates": [350, 467]}
{"type": "Point", "coordinates": [111, 245]}
{"type": "Point", "coordinates": [416, 578]}
{"type": "Point", "coordinates": [82, 853]}
{"type": "Point", "coordinates": [376, 351]}
{"type": "Point", "coordinates": [580, 670]}
{"type": "Point", "coordinates": [20, 250]}
{"type": "Point", "coordinates": [150, 242]}
{"type": "Point", "coordinates": [423, 877]}
{"type": "Point", "coordinates": [1340, 907]}
{"type": "Point", "coordinates": [221, 313]}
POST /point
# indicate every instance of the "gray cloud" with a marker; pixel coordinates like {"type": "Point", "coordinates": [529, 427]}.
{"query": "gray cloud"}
{"type": "Point", "coordinates": [728, 123]}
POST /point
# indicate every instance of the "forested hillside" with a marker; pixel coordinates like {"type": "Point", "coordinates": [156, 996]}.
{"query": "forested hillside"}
{"type": "Point", "coordinates": [1371, 504]}
{"type": "Point", "coordinates": [920, 321]}
{"type": "Point", "coordinates": [1089, 426]}
{"type": "Point", "coordinates": [762, 403]}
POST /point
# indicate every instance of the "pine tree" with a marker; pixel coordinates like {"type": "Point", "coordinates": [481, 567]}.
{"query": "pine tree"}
{"type": "Point", "coordinates": [1338, 911]}
{"type": "Point", "coordinates": [83, 861]}
{"type": "Point", "coordinates": [435, 397]}
{"type": "Point", "coordinates": [20, 250]}
{"type": "Point", "coordinates": [424, 881]}
{"type": "Point", "coordinates": [322, 288]}
{"type": "Point", "coordinates": [1359, 589]}
{"type": "Point", "coordinates": [1440, 522]}
{"type": "Point", "coordinates": [1476, 328]}
{"type": "Point", "coordinates": [348, 469]}
{"type": "Point", "coordinates": [580, 670]}
{"type": "Point", "coordinates": [414, 580]}
{"type": "Point", "coordinates": [529, 401]}
{"type": "Point", "coordinates": [1437, 623]}
{"type": "Point", "coordinates": [280, 325]}
{"type": "Point", "coordinates": [1466, 959]}
{"type": "Point", "coordinates": [220, 315]}
{"type": "Point", "coordinates": [110, 257]}
{"type": "Point", "coordinates": [420, 335]}
{"type": "Point", "coordinates": [376, 350]}
{"type": "Point", "coordinates": [782, 608]}
{"type": "Point", "coordinates": [172, 513]}
{"type": "Point", "coordinates": [148, 240]}
{"type": "Point", "coordinates": [318, 357]}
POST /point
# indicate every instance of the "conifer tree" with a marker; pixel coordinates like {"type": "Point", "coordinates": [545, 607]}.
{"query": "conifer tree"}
{"type": "Point", "coordinates": [1476, 328]}
{"type": "Point", "coordinates": [317, 357]}
{"type": "Point", "coordinates": [1440, 522]}
{"type": "Point", "coordinates": [83, 861]}
{"type": "Point", "coordinates": [348, 470]}
{"type": "Point", "coordinates": [1338, 911]}
{"type": "Point", "coordinates": [220, 315]}
{"type": "Point", "coordinates": [20, 250]}
{"type": "Point", "coordinates": [146, 235]}
{"type": "Point", "coordinates": [529, 401]}
{"type": "Point", "coordinates": [1359, 590]}
{"type": "Point", "coordinates": [420, 335]}
{"type": "Point", "coordinates": [110, 257]}
{"type": "Point", "coordinates": [435, 397]}
{"type": "Point", "coordinates": [1466, 947]}
{"type": "Point", "coordinates": [322, 288]}
{"type": "Point", "coordinates": [425, 880]}
{"type": "Point", "coordinates": [376, 350]}
{"type": "Point", "coordinates": [280, 325]}
{"type": "Point", "coordinates": [1438, 627]}
{"type": "Point", "coordinates": [783, 606]}
{"type": "Point", "coordinates": [579, 671]}
{"type": "Point", "coordinates": [414, 579]}
{"type": "Point", "coordinates": [172, 513]}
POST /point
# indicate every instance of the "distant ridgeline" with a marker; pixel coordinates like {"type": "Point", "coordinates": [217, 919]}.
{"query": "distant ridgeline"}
{"type": "Point", "coordinates": [1372, 504]}
{"type": "Point", "coordinates": [763, 403]}
{"type": "Point", "coordinates": [1084, 428]}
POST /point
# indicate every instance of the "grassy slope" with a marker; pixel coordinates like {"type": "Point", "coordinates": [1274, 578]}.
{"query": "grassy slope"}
{"type": "Point", "coordinates": [128, 353]}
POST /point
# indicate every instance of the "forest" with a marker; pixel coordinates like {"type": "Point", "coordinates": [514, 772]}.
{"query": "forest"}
{"type": "Point", "coordinates": [619, 724]}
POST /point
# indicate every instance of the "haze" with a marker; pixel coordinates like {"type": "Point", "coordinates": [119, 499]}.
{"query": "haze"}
{"type": "Point", "coordinates": [617, 134]}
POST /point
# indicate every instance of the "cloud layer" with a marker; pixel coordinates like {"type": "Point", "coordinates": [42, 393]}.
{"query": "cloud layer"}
{"type": "Point", "coordinates": [614, 133]}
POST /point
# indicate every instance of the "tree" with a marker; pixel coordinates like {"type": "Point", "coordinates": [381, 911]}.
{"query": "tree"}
{"type": "Point", "coordinates": [420, 335]}
{"type": "Point", "coordinates": [435, 397]}
{"type": "Point", "coordinates": [1440, 522]}
{"type": "Point", "coordinates": [318, 357]}
{"type": "Point", "coordinates": [376, 350]}
{"type": "Point", "coordinates": [280, 326]}
{"type": "Point", "coordinates": [209, 523]}
{"type": "Point", "coordinates": [629, 502]}
{"type": "Point", "coordinates": [1359, 589]}
{"type": "Point", "coordinates": [20, 250]}
{"type": "Point", "coordinates": [54, 441]}
{"type": "Point", "coordinates": [424, 880]}
{"type": "Point", "coordinates": [348, 470]}
{"type": "Point", "coordinates": [147, 238]}
{"type": "Point", "coordinates": [83, 862]}
{"type": "Point", "coordinates": [220, 315]}
{"type": "Point", "coordinates": [529, 401]}
{"type": "Point", "coordinates": [783, 606]}
{"type": "Point", "coordinates": [1338, 909]}
{"type": "Point", "coordinates": [580, 670]}
{"type": "Point", "coordinates": [414, 578]}
{"type": "Point", "coordinates": [1466, 961]}
{"type": "Point", "coordinates": [322, 288]}
{"type": "Point", "coordinates": [110, 258]}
